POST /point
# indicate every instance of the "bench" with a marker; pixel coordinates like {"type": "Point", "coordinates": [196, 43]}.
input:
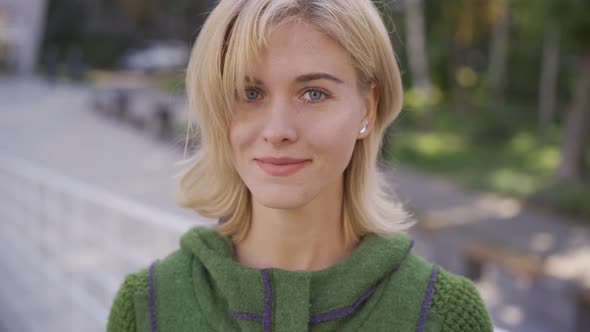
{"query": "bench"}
{"type": "Point", "coordinates": [477, 255]}
{"type": "Point", "coordinates": [525, 265]}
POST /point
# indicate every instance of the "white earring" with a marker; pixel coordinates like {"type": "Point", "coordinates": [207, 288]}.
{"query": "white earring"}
{"type": "Point", "coordinates": [365, 127]}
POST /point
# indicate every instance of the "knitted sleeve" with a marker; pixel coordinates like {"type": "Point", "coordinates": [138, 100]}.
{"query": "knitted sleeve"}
{"type": "Point", "coordinates": [459, 304]}
{"type": "Point", "coordinates": [122, 314]}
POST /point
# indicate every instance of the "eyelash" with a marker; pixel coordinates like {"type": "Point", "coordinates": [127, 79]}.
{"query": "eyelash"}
{"type": "Point", "coordinates": [326, 95]}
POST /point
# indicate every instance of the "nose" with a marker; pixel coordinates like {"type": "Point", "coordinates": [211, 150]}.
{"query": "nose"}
{"type": "Point", "coordinates": [280, 126]}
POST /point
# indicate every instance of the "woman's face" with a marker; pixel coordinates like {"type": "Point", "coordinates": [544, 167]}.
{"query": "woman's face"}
{"type": "Point", "coordinates": [295, 126]}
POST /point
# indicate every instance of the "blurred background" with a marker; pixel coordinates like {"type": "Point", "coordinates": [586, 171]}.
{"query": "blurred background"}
{"type": "Point", "coordinates": [490, 153]}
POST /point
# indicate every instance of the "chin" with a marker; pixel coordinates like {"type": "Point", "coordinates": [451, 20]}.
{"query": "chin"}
{"type": "Point", "coordinates": [283, 199]}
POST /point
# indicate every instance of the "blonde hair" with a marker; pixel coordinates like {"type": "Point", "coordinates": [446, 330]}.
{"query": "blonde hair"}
{"type": "Point", "coordinates": [232, 36]}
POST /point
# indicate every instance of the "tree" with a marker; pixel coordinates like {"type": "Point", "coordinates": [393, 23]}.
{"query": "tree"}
{"type": "Point", "coordinates": [467, 23]}
{"type": "Point", "coordinates": [549, 72]}
{"type": "Point", "coordinates": [565, 25]}
{"type": "Point", "coordinates": [575, 21]}
{"type": "Point", "coordinates": [577, 127]}
{"type": "Point", "coordinates": [417, 53]}
{"type": "Point", "coordinates": [500, 20]}
{"type": "Point", "coordinates": [537, 21]}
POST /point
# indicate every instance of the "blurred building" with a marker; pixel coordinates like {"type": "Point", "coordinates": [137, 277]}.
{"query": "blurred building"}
{"type": "Point", "coordinates": [21, 34]}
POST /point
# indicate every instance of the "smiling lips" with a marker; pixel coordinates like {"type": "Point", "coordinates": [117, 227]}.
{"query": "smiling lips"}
{"type": "Point", "coordinates": [281, 166]}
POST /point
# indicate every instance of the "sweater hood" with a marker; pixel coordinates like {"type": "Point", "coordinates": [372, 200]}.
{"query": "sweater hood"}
{"type": "Point", "coordinates": [254, 294]}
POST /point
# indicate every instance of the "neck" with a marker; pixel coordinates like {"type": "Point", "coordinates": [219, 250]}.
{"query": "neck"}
{"type": "Point", "coordinates": [309, 238]}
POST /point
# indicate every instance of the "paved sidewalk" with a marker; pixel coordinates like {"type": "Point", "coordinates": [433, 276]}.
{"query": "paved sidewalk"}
{"type": "Point", "coordinates": [56, 128]}
{"type": "Point", "coordinates": [448, 209]}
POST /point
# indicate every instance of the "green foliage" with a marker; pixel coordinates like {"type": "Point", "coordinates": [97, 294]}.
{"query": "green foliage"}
{"type": "Point", "coordinates": [494, 128]}
{"type": "Point", "coordinates": [490, 150]}
{"type": "Point", "coordinates": [65, 25]}
{"type": "Point", "coordinates": [68, 28]}
{"type": "Point", "coordinates": [569, 197]}
{"type": "Point", "coordinates": [103, 50]}
{"type": "Point", "coordinates": [105, 29]}
{"type": "Point", "coordinates": [572, 17]}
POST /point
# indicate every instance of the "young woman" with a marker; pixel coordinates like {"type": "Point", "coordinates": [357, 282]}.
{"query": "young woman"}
{"type": "Point", "coordinates": [293, 98]}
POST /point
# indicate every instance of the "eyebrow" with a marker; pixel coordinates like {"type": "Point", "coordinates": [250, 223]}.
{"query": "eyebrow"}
{"type": "Point", "coordinates": [317, 76]}
{"type": "Point", "coordinates": [307, 78]}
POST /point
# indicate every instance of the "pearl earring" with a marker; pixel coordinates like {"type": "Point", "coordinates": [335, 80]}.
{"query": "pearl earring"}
{"type": "Point", "coordinates": [365, 127]}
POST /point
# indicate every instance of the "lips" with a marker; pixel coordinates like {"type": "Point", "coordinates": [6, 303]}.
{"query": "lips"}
{"type": "Point", "coordinates": [281, 166]}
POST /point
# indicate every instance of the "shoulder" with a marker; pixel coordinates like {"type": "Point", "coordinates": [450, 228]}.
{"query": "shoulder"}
{"type": "Point", "coordinates": [122, 313]}
{"type": "Point", "coordinates": [450, 299]}
{"type": "Point", "coordinates": [458, 303]}
{"type": "Point", "coordinates": [122, 316]}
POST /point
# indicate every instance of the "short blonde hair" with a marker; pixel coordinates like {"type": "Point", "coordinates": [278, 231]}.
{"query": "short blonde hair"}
{"type": "Point", "coordinates": [231, 38]}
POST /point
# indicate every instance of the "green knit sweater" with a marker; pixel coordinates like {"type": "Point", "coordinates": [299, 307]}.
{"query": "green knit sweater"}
{"type": "Point", "coordinates": [381, 286]}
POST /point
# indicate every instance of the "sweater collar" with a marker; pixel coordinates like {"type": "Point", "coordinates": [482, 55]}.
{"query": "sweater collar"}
{"type": "Point", "coordinates": [327, 291]}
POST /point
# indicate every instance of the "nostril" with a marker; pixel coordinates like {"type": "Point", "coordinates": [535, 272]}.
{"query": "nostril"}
{"type": "Point", "coordinates": [279, 135]}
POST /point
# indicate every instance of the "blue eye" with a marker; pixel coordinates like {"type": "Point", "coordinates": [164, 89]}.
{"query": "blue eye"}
{"type": "Point", "coordinates": [314, 95]}
{"type": "Point", "coordinates": [251, 94]}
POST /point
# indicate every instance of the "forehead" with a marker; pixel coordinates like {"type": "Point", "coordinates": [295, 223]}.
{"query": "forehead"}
{"type": "Point", "coordinates": [295, 47]}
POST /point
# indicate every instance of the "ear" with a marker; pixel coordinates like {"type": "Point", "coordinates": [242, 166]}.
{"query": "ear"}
{"type": "Point", "coordinates": [371, 103]}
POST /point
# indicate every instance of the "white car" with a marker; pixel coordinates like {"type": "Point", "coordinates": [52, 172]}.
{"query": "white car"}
{"type": "Point", "coordinates": [158, 56]}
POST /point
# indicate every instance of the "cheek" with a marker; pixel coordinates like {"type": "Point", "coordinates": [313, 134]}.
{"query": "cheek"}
{"type": "Point", "coordinates": [234, 137]}
{"type": "Point", "coordinates": [334, 133]}
{"type": "Point", "coordinates": [334, 140]}
{"type": "Point", "coordinates": [238, 140]}
{"type": "Point", "coordinates": [240, 136]}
